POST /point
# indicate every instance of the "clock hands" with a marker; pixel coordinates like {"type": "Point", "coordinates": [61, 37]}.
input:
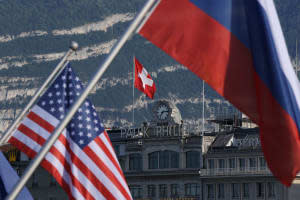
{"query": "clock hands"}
{"type": "Point", "coordinates": [162, 112]}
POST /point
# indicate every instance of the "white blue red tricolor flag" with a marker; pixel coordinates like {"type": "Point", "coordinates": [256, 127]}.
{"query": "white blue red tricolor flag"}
{"type": "Point", "coordinates": [8, 178]}
{"type": "Point", "coordinates": [82, 160]}
{"type": "Point", "coordinates": [238, 48]}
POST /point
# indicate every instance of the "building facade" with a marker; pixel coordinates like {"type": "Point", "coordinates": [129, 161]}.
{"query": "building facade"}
{"type": "Point", "coordinates": [235, 168]}
{"type": "Point", "coordinates": [165, 159]}
{"type": "Point", "coordinates": [161, 160]}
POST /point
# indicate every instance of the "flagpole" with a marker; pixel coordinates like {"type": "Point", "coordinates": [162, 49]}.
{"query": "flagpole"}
{"type": "Point", "coordinates": [37, 160]}
{"type": "Point", "coordinates": [58, 68]}
{"type": "Point", "coordinates": [133, 76]}
{"type": "Point", "coordinates": [203, 103]}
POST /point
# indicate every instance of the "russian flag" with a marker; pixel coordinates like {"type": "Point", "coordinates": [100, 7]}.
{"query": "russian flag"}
{"type": "Point", "coordinates": [237, 47]}
{"type": "Point", "coordinates": [8, 178]}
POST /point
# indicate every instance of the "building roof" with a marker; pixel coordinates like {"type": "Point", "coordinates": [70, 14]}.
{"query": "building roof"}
{"type": "Point", "coordinates": [237, 137]}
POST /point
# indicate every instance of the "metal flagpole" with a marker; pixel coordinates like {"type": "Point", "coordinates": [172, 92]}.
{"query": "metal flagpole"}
{"type": "Point", "coordinates": [133, 76]}
{"type": "Point", "coordinates": [58, 68]}
{"type": "Point", "coordinates": [34, 163]}
{"type": "Point", "coordinates": [203, 99]}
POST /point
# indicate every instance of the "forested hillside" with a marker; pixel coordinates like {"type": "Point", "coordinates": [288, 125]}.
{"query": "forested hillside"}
{"type": "Point", "coordinates": [35, 34]}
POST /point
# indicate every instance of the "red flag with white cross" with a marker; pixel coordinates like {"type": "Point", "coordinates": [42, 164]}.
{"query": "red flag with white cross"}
{"type": "Point", "coordinates": [143, 80]}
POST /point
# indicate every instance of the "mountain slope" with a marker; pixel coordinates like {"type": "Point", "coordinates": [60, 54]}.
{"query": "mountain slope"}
{"type": "Point", "coordinates": [35, 34]}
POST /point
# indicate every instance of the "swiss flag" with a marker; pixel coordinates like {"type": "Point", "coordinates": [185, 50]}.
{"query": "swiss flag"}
{"type": "Point", "coordinates": [143, 80]}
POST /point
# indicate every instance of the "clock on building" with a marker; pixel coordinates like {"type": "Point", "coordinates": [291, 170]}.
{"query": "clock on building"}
{"type": "Point", "coordinates": [166, 112]}
{"type": "Point", "coordinates": [162, 112]}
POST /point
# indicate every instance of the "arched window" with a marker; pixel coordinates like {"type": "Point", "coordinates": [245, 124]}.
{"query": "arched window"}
{"type": "Point", "coordinates": [163, 160]}
{"type": "Point", "coordinates": [135, 162]}
{"type": "Point", "coordinates": [193, 159]}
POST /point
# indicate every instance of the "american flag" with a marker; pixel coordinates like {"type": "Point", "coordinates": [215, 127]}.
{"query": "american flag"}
{"type": "Point", "coordinates": [82, 160]}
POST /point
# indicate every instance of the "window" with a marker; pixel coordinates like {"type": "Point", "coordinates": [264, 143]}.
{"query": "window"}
{"type": "Point", "coordinates": [136, 191]}
{"type": "Point", "coordinates": [260, 190]}
{"type": "Point", "coordinates": [192, 189]}
{"type": "Point", "coordinates": [235, 190]}
{"type": "Point", "coordinates": [174, 159]}
{"type": "Point", "coordinates": [271, 189]}
{"type": "Point", "coordinates": [151, 190]}
{"type": "Point", "coordinates": [246, 190]}
{"type": "Point", "coordinates": [153, 160]}
{"type": "Point", "coordinates": [174, 190]}
{"type": "Point", "coordinates": [211, 164]}
{"type": "Point", "coordinates": [163, 190]}
{"type": "Point", "coordinates": [192, 159]}
{"type": "Point", "coordinates": [252, 163]}
{"type": "Point", "coordinates": [242, 164]}
{"type": "Point", "coordinates": [232, 163]}
{"type": "Point", "coordinates": [262, 163]}
{"type": "Point", "coordinates": [221, 191]}
{"type": "Point", "coordinates": [163, 160]}
{"type": "Point", "coordinates": [210, 191]}
{"type": "Point", "coordinates": [135, 162]}
{"type": "Point", "coordinates": [168, 159]}
{"type": "Point", "coordinates": [221, 163]}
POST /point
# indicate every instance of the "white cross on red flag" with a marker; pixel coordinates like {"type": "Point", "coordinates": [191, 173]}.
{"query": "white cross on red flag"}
{"type": "Point", "coordinates": [143, 80]}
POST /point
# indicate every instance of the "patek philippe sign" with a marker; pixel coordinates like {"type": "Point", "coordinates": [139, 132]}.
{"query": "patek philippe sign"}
{"type": "Point", "coordinates": [160, 131]}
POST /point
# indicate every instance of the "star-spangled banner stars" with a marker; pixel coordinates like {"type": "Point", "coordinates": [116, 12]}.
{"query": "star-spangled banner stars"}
{"type": "Point", "coordinates": [85, 124]}
{"type": "Point", "coordinates": [82, 160]}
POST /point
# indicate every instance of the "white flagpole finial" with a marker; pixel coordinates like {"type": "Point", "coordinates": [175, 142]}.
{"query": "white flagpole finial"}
{"type": "Point", "coordinates": [74, 46]}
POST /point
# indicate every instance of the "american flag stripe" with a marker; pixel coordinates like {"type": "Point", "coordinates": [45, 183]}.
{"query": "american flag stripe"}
{"type": "Point", "coordinates": [86, 185]}
{"type": "Point", "coordinates": [109, 145]}
{"type": "Point", "coordinates": [95, 157]}
{"type": "Point", "coordinates": [106, 155]}
{"type": "Point", "coordinates": [86, 171]}
{"type": "Point", "coordinates": [56, 158]}
{"type": "Point", "coordinates": [110, 175]}
{"type": "Point", "coordinates": [99, 140]}
{"type": "Point", "coordinates": [53, 161]}
{"type": "Point", "coordinates": [63, 151]}
{"type": "Point", "coordinates": [47, 165]}
{"type": "Point", "coordinates": [103, 153]}
{"type": "Point", "coordinates": [82, 160]}
{"type": "Point", "coordinates": [106, 144]}
{"type": "Point", "coordinates": [76, 185]}
{"type": "Point", "coordinates": [95, 178]}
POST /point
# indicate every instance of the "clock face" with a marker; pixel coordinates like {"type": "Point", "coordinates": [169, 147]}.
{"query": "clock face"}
{"type": "Point", "coordinates": [162, 112]}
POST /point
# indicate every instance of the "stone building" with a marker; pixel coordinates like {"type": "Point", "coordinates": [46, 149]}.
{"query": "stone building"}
{"type": "Point", "coordinates": [234, 167]}
{"type": "Point", "coordinates": [161, 160]}
{"type": "Point", "coordinates": [165, 159]}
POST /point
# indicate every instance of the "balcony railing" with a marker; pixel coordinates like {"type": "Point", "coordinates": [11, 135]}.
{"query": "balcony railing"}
{"type": "Point", "coordinates": [235, 171]}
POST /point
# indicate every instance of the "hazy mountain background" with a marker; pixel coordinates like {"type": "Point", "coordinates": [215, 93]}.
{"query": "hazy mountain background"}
{"type": "Point", "coordinates": [34, 35]}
